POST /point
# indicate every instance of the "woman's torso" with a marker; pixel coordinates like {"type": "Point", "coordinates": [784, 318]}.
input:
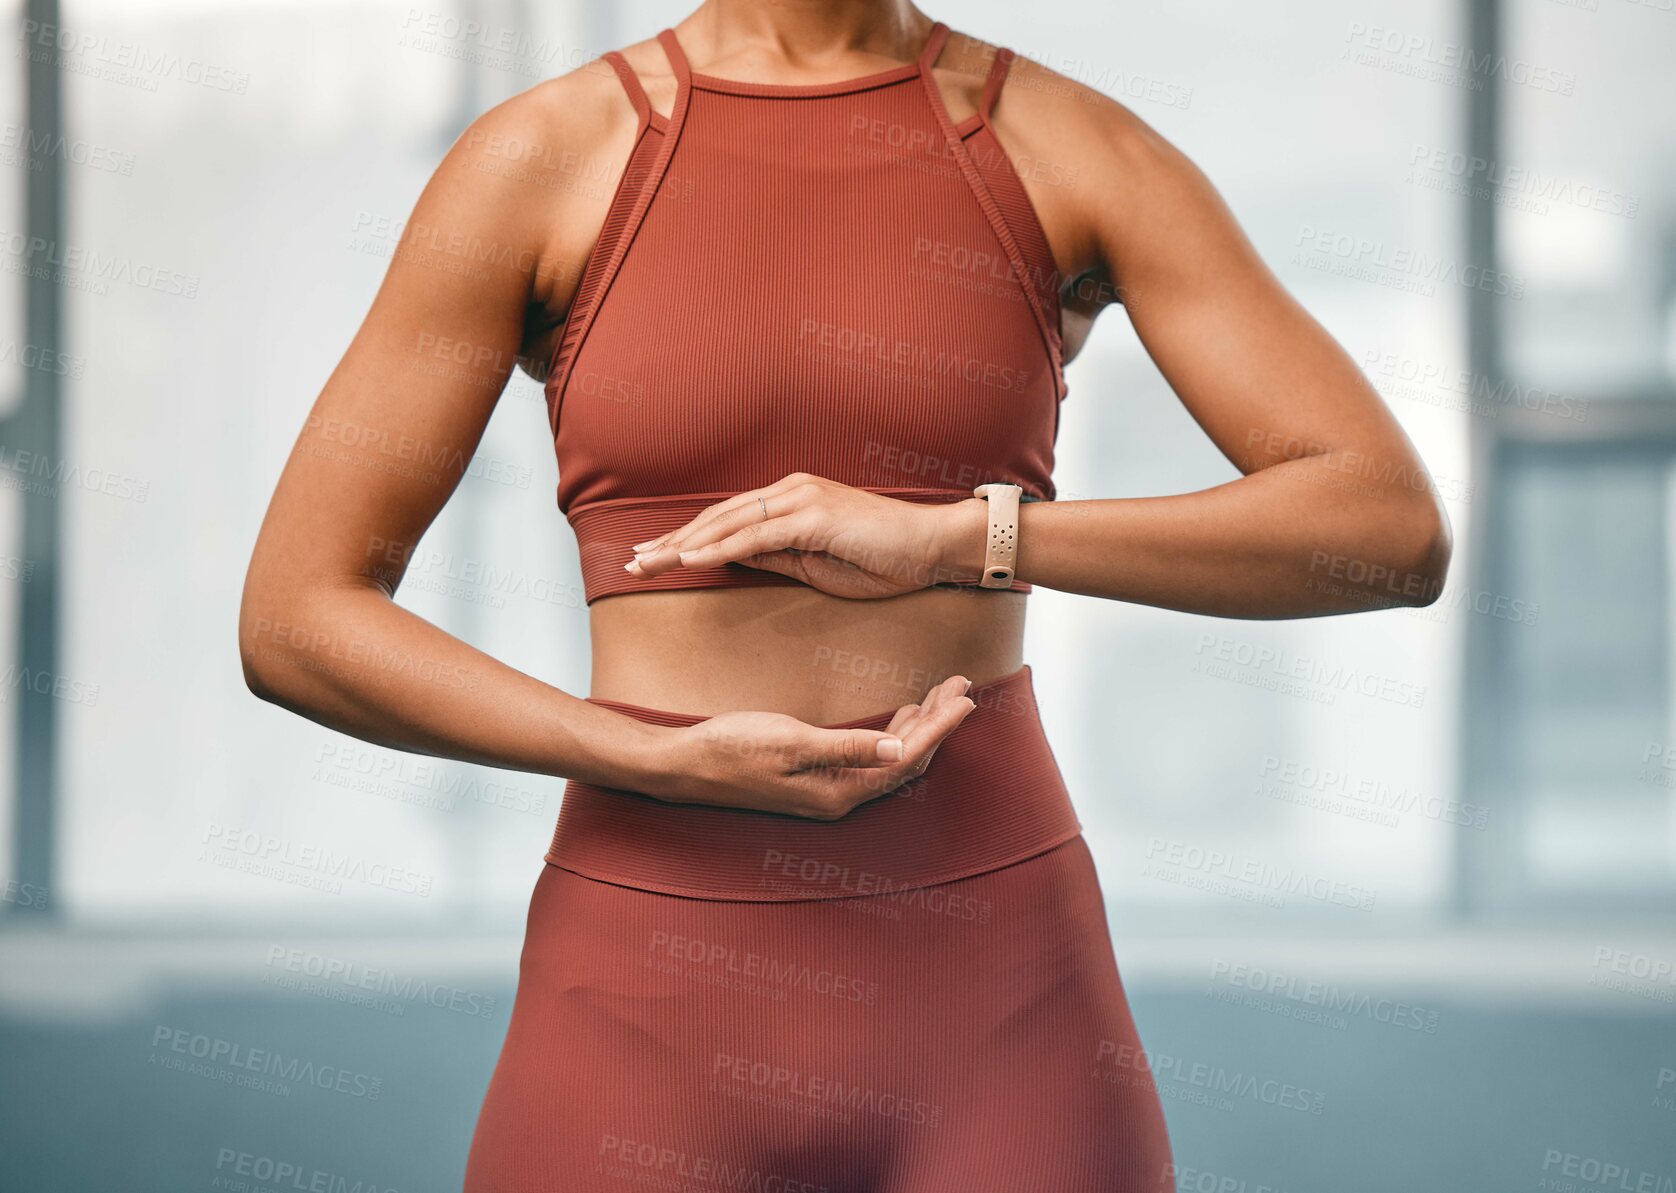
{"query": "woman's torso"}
{"type": "Point", "coordinates": [792, 648]}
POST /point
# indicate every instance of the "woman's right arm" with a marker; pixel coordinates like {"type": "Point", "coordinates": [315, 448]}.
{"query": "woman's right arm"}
{"type": "Point", "coordinates": [491, 238]}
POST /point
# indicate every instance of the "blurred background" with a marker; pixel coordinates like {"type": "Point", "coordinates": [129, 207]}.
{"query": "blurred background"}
{"type": "Point", "coordinates": [1392, 894]}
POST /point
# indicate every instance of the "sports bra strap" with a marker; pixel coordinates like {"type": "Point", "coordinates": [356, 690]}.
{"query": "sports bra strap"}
{"type": "Point", "coordinates": [677, 58]}
{"type": "Point", "coordinates": [631, 84]}
{"type": "Point", "coordinates": [992, 84]}
{"type": "Point", "coordinates": [933, 46]}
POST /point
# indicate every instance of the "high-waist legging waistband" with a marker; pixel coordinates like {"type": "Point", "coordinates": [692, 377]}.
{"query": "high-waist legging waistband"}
{"type": "Point", "coordinates": [992, 796]}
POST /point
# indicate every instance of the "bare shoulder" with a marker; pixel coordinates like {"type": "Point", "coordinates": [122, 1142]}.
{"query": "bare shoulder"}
{"type": "Point", "coordinates": [1088, 122]}
{"type": "Point", "coordinates": [1093, 167]}
{"type": "Point", "coordinates": [556, 128]}
{"type": "Point", "coordinates": [530, 181]}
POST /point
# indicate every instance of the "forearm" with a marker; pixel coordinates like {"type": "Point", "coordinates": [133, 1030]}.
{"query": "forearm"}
{"type": "Point", "coordinates": [352, 659]}
{"type": "Point", "coordinates": [1297, 539]}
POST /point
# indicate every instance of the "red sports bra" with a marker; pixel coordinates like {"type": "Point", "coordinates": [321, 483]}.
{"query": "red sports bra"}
{"type": "Point", "coordinates": [832, 278]}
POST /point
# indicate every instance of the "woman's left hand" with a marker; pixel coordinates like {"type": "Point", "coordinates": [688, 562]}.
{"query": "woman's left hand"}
{"type": "Point", "coordinates": [845, 541]}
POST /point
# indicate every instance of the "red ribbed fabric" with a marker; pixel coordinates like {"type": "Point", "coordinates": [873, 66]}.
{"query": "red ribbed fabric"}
{"type": "Point", "coordinates": [970, 1037]}
{"type": "Point", "coordinates": [992, 796]}
{"type": "Point", "coordinates": [833, 279]}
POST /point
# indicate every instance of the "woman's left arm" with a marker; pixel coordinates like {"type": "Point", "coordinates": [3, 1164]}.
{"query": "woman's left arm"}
{"type": "Point", "coordinates": [1335, 513]}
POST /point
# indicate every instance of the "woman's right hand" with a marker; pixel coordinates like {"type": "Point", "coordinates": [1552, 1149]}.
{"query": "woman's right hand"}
{"type": "Point", "coordinates": [774, 763]}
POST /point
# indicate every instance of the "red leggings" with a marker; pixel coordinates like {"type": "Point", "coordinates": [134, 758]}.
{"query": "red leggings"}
{"type": "Point", "coordinates": [951, 1039]}
{"type": "Point", "coordinates": [960, 1036]}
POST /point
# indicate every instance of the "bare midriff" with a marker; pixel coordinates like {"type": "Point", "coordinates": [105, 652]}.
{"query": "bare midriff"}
{"type": "Point", "coordinates": [797, 650]}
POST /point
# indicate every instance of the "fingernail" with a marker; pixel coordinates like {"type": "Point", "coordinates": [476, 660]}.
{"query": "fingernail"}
{"type": "Point", "coordinates": [632, 565]}
{"type": "Point", "coordinates": [890, 749]}
{"type": "Point", "coordinates": [968, 687]}
{"type": "Point", "coordinates": [639, 547]}
{"type": "Point", "coordinates": [685, 556]}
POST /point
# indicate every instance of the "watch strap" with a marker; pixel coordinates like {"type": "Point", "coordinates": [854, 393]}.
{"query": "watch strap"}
{"type": "Point", "coordinates": [1001, 547]}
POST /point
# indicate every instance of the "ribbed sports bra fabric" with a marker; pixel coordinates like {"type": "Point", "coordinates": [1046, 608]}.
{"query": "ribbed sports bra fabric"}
{"type": "Point", "coordinates": [835, 279]}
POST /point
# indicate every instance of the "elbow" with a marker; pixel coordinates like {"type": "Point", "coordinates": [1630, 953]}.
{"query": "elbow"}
{"type": "Point", "coordinates": [256, 681]}
{"type": "Point", "coordinates": [284, 624]}
{"type": "Point", "coordinates": [260, 655]}
{"type": "Point", "coordinates": [255, 658]}
{"type": "Point", "coordinates": [1425, 545]}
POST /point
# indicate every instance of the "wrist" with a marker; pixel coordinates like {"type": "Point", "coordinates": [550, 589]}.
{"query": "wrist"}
{"type": "Point", "coordinates": [653, 760]}
{"type": "Point", "coordinates": [630, 755]}
{"type": "Point", "coordinates": [962, 541]}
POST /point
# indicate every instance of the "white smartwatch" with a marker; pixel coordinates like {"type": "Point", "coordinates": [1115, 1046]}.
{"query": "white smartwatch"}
{"type": "Point", "coordinates": [1001, 554]}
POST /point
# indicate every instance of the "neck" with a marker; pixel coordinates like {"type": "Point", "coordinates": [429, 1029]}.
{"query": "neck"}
{"type": "Point", "coordinates": [806, 34]}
